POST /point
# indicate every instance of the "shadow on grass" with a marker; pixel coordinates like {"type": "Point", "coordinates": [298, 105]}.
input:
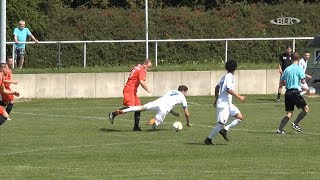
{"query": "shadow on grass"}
{"type": "Point", "coordinates": [155, 130]}
{"type": "Point", "coordinates": [203, 144]}
{"type": "Point", "coordinates": [267, 99]}
{"type": "Point", "coordinates": [109, 130]}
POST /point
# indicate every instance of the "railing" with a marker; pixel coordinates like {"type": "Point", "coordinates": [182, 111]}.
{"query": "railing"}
{"type": "Point", "coordinates": [159, 41]}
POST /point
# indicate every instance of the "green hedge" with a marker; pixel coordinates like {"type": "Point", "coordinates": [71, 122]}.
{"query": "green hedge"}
{"type": "Point", "coordinates": [50, 21]}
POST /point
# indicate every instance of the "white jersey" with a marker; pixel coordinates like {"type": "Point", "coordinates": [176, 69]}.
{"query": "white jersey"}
{"type": "Point", "coordinates": [170, 99]}
{"type": "Point", "coordinates": [303, 63]}
{"type": "Point", "coordinates": [228, 81]}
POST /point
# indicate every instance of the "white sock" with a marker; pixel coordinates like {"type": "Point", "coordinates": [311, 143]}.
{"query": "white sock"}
{"type": "Point", "coordinates": [215, 130]}
{"type": "Point", "coordinates": [234, 123]}
{"type": "Point", "coordinates": [132, 109]}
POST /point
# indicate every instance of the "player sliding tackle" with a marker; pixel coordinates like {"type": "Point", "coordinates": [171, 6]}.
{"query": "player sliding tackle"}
{"type": "Point", "coordinates": [162, 106]}
{"type": "Point", "coordinates": [223, 103]}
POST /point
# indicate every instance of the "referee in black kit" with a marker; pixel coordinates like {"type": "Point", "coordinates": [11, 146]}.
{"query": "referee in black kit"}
{"type": "Point", "coordinates": [285, 60]}
{"type": "Point", "coordinates": [291, 78]}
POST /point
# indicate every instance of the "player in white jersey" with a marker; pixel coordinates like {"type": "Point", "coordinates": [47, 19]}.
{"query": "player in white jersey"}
{"type": "Point", "coordinates": [223, 103]}
{"type": "Point", "coordinates": [163, 106]}
{"type": "Point", "coordinates": [303, 63]}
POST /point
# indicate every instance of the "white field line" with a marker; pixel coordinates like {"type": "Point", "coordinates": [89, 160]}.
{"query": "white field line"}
{"type": "Point", "coordinates": [81, 146]}
{"type": "Point", "coordinates": [103, 118]}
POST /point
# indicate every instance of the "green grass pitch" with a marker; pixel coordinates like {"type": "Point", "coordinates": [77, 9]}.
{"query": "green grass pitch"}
{"type": "Point", "coordinates": [72, 139]}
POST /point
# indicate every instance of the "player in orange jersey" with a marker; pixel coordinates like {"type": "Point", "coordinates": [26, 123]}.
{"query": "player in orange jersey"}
{"type": "Point", "coordinates": [7, 99]}
{"type": "Point", "coordinates": [136, 77]}
{"type": "Point", "coordinates": [4, 70]}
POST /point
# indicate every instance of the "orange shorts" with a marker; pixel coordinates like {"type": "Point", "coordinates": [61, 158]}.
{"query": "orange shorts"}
{"type": "Point", "coordinates": [6, 98]}
{"type": "Point", "coordinates": [130, 98]}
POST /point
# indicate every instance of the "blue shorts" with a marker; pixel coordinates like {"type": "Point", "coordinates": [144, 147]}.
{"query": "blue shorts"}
{"type": "Point", "coordinates": [19, 52]}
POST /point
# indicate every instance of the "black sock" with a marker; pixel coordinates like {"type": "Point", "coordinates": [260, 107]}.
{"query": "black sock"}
{"type": "Point", "coordinates": [278, 96]}
{"type": "Point", "coordinates": [300, 116]}
{"type": "Point", "coordinates": [9, 108]}
{"type": "Point", "coordinates": [137, 118]}
{"type": "Point", "coordinates": [2, 120]}
{"type": "Point", "coordinates": [283, 122]}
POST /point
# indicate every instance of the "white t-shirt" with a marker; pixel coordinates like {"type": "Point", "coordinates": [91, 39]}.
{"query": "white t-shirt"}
{"type": "Point", "coordinates": [303, 63]}
{"type": "Point", "coordinates": [228, 81]}
{"type": "Point", "coordinates": [170, 99]}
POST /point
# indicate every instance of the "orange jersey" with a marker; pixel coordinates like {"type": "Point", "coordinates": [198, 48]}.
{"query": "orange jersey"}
{"type": "Point", "coordinates": [8, 77]}
{"type": "Point", "coordinates": [137, 73]}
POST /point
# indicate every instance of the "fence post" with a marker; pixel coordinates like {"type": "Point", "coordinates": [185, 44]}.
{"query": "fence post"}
{"type": "Point", "coordinates": [14, 59]}
{"type": "Point", "coordinates": [226, 52]}
{"type": "Point", "coordinates": [59, 64]}
{"type": "Point", "coordinates": [156, 53]}
{"type": "Point", "coordinates": [84, 54]}
{"type": "Point", "coordinates": [294, 45]}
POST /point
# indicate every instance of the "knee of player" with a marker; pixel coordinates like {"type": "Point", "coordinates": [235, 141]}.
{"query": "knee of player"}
{"type": "Point", "coordinates": [306, 109]}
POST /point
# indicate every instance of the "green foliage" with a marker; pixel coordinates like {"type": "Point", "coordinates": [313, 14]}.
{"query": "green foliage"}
{"type": "Point", "coordinates": [56, 20]}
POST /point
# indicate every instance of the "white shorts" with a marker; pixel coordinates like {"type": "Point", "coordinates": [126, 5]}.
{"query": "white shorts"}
{"type": "Point", "coordinates": [224, 113]}
{"type": "Point", "coordinates": [160, 111]}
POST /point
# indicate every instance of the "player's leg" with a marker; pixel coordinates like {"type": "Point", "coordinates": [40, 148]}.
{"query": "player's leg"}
{"type": "Point", "coordinates": [158, 118]}
{"type": "Point", "coordinates": [22, 53]}
{"type": "Point", "coordinates": [289, 106]}
{"type": "Point", "coordinates": [128, 100]}
{"type": "Point", "coordinates": [3, 115]}
{"type": "Point", "coordinates": [300, 103]}
{"type": "Point", "coordinates": [222, 118]}
{"type": "Point", "coordinates": [137, 115]}
{"type": "Point", "coordinates": [234, 112]}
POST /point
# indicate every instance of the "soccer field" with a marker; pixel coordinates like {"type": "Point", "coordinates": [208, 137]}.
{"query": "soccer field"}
{"type": "Point", "coordinates": [72, 138]}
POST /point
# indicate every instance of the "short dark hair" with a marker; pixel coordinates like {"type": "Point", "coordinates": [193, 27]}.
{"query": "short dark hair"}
{"type": "Point", "coordinates": [306, 52]}
{"type": "Point", "coordinates": [288, 46]}
{"type": "Point", "coordinates": [231, 65]}
{"type": "Point", "coordinates": [182, 88]}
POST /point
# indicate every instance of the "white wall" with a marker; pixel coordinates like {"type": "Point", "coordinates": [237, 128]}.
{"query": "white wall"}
{"type": "Point", "coordinates": [104, 85]}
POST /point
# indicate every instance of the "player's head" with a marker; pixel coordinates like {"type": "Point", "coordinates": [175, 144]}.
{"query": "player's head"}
{"type": "Point", "coordinates": [231, 65]}
{"type": "Point", "coordinates": [4, 68]}
{"type": "Point", "coordinates": [22, 24]}
{"type": "Point", "coordinates": [295, 57]}
{"type": "Point", "coordinates": [288, 49]}
{"type": "Point", "coordinates": [306, 55]}
{"type": "Point", "coordinates": [183, 89]}
{"type": "Point", "coordinates": [9, 62]}
{"type": "Point", "coordinates": [147, 64]}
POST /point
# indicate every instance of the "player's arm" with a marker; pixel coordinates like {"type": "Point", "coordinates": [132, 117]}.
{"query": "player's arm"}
{"type": "Point", "coordinates": [233, 93]}
{"type": "Point", "coordinates": [187, 116]}
{"type": "Point", "coordinates": [15, 37]}
{"type": "Point", "coordinates": [143, 83]}
{"type": "Point", "coordinates": [6, 91]}
{"type": "Point", "coordinates": [33, 38]}
{"type": "Point", "coordinates": [174, 113]}
{"type": "Point", "coordinates": [10, 82]}
{"type": "Point", "coordinates": [280, 68]}
{"type": "Point", "coordinates": [216, 95]}
{"type": "Point", "coordinates": [308, 76]}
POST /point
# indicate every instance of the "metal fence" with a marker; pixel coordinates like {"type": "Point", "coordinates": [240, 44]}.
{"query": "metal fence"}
{"type": "Point", "coordinates": [226, 41]}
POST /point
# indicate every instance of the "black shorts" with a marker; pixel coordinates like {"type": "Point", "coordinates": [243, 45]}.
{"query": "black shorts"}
{"type": "Point", "coordinates": [293, 98]}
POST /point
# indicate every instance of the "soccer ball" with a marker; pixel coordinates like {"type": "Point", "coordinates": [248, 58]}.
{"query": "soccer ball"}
{"type": "Point", "coordinates": [312, 90]}
{"type": "Point", "coordinates": [177, 126]}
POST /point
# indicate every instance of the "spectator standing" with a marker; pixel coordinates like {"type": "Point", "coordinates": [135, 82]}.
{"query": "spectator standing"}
{"type": "Point", "coordinates": [20, 35]}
